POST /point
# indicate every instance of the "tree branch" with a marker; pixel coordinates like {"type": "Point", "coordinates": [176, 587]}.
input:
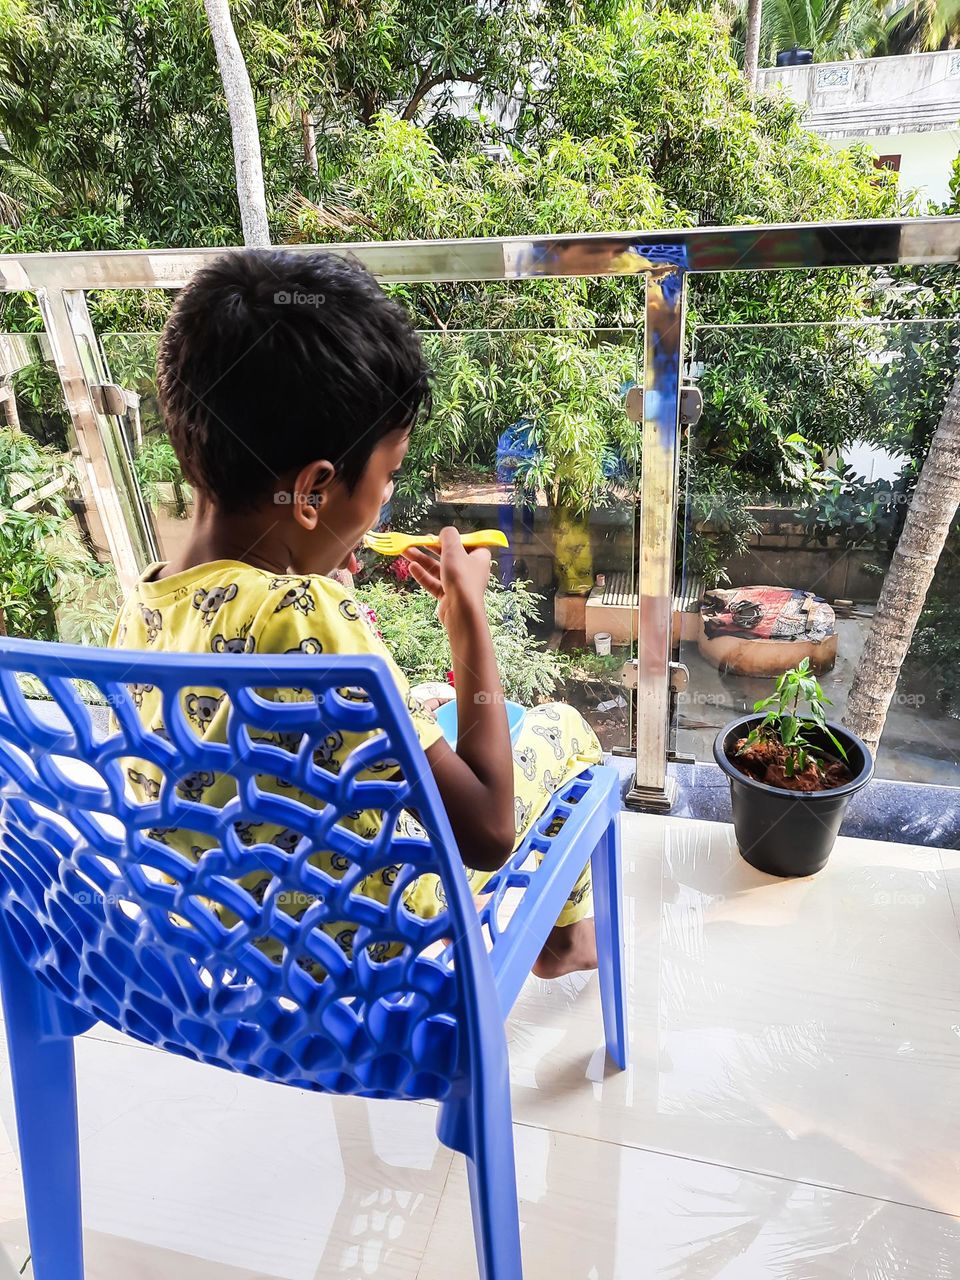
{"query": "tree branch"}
{"type": "Point", "coordinates": [429, 80]}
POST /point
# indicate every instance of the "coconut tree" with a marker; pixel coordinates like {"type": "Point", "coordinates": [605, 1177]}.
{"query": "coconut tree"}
{"type": "Point", "coordinates": [932, 509]}
{"type": "Point", "coordinates": [243, 125]}
{"type": "Point", "coordinates": [919, 26]}
{"type": "Point", "coordinates": [833, 29]}
{"type": "Point", "coordinates": [751, 44]}
{"type": "Point", "coordinates": [20, 183]}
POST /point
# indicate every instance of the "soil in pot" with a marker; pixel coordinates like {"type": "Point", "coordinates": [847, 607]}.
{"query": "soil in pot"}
{"type": "Point", "coordinates": [766, 761]}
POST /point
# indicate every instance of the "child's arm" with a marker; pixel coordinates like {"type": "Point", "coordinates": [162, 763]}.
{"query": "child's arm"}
{"type": "Point", "coordinates": [476, 780]}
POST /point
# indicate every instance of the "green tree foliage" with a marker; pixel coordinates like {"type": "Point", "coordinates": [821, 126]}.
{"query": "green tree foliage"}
{"type": "Point", "coordinates": [116, 128]}
{"type": "Point", "coordinates": [51, 585]}
{"type": "Point", "coordinates": [566, 386]}
{"type": "Point", "coordinates": [616, 139]}
{"type": "Point", "coordinates": [920, 26]}
{"type": "Point", "coordinates": [719, 154]}
{"type": "Point", "coordinates": [118, 107]}
{"type": "Point", "coordinates": [118, 112]}
{"type": "Point", "coordinates": [624, 118]}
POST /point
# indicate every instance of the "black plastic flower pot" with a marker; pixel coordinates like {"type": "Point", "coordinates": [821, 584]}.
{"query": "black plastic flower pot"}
{"type": "Point", "coordinates": [788, 833]}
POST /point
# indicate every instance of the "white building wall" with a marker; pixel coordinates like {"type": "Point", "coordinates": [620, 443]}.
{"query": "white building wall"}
{"type": "Point", "coordinates": [907, 106]}
{"type": "Point", "coordinates": [926, 160]}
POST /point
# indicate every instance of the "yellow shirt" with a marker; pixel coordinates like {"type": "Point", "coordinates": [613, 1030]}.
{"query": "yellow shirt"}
{"type": "Point", "coordinates": [230, 608]}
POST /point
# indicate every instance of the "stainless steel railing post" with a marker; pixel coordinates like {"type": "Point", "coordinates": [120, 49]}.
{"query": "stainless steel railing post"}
{"type": "Point", "coordinates": [659, 484]}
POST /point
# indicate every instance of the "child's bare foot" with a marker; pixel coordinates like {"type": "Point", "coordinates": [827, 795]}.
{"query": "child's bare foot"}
{"type": "Point", "coordinates": [569, 947]}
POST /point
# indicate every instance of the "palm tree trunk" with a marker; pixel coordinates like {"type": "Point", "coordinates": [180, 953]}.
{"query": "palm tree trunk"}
{"type": "Point", "coordinates": [309, 141]}
{"type": "Point", "coordinates": [934, 505]}
{"type": "Point", "coordinates": [243, 125]}
{"type": "Point", "coordinates": [751, 47]}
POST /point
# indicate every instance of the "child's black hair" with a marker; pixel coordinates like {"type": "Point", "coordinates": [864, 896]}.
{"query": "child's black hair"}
{"type": "Point", "coordinates": [271, 359]}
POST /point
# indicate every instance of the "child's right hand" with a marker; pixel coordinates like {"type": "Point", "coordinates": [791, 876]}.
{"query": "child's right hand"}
{"type": "Point", "coordinates": [457, 580]}
{"type": "Point", "coordinates": [476, 780]}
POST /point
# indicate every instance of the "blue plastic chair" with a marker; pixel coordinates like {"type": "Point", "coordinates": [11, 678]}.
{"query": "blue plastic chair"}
{"type": "Point", "coordinates": [100, 920]}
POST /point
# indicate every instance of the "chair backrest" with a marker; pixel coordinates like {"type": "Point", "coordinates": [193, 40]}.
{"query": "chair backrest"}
{"type": "Point", "coordinates": [313, 979]}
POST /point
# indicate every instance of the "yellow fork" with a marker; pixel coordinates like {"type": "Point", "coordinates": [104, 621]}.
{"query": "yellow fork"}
{"type": "Point", "coordinates": [395, 544]}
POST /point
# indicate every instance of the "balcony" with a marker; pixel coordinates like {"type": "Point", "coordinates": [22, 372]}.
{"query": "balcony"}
{"type": "Point", "coordinates": [788, 1106]}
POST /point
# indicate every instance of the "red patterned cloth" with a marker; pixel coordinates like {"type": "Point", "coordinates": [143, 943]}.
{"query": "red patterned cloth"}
{"type": "Point", "coordinates": [766, 613]}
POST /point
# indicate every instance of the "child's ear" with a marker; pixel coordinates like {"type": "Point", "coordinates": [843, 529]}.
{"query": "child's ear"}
{"type": "Point", "coordinates": [310, 491]}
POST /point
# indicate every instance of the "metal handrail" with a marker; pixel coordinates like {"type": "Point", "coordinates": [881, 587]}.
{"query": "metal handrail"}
{"type": "Point", "coordinates": [906, 241]}
{"type": "Point", "coordinates": [663, 258]}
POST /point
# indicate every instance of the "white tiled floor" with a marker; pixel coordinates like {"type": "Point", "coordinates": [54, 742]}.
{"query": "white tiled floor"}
{"type": "Point", "coordinates": [791, 1110]}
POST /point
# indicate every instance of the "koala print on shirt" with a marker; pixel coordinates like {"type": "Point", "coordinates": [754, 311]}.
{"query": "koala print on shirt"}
{"type": "Point", "coordinates": [149, 785]}
{"type": "Point", "coordinates": [553, 736]}
{"type": "Point", "coordinates": [526, 758]}
{"type": "Point", "coordinates": [208, 602]}
{"type": "Point", "coordinates": [137, 691]}
{"type": "Point", "coordinates": [521, 814]}
{"type": "Point", "coordinates": [243, 643]}
{"type": "Point", "coordinates": [552, 781]}
{"type": "Point", "coordinates": [324, 757]}
{"type": "Point", "coordinates": [297, 596]}
{"type": "Point", "coordinates": [344, 941]}
{"type": "Point", "coordinates": [578, 895]}
{"type": "Point", "coordinates": [353, 694]}
{"type": "Point", "coordinates": [309, 644]}
{"type": "Point", "coordinates": [194, 784]}
{"type": "Point", "coordinates": [201, 708]}
{"type": "Point", "coordinates": [287, 839]}
{"type": "Point", "coordinates": [407, 825]}
{"type": "Point", "coordinates": [258, 891]}
{"type": "Point", "coordinates": [153, 621]}
{"type": "Point", "coordinates": [285, 740]}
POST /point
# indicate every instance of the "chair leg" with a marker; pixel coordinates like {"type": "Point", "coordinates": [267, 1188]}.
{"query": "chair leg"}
{"type": "Point", "coordinates": [492, 1175]}
{"type": "Point", "coordinates": [45, 1099]}
{"type": "Point", "coordinates": [608, 909]}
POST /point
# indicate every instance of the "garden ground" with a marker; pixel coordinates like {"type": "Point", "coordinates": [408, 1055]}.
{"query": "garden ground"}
{"type": "Point", "coordinates": [921, 740]}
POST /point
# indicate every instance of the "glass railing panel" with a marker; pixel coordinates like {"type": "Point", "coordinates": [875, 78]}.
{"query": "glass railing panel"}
{"type": "Point", "coordinates": [798, 478]}
{"type": "Point", "coordinates": [528, 436]}
{"type": "Point", "coordinates": [56, 580]}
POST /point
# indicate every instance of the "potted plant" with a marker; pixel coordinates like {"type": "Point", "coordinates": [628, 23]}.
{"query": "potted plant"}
{"type": "Point", "coordinates": [791, 774]}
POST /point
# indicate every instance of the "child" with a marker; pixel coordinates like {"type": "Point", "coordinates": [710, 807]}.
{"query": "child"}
{"type": "Point", "coordinates": [290, 386]}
